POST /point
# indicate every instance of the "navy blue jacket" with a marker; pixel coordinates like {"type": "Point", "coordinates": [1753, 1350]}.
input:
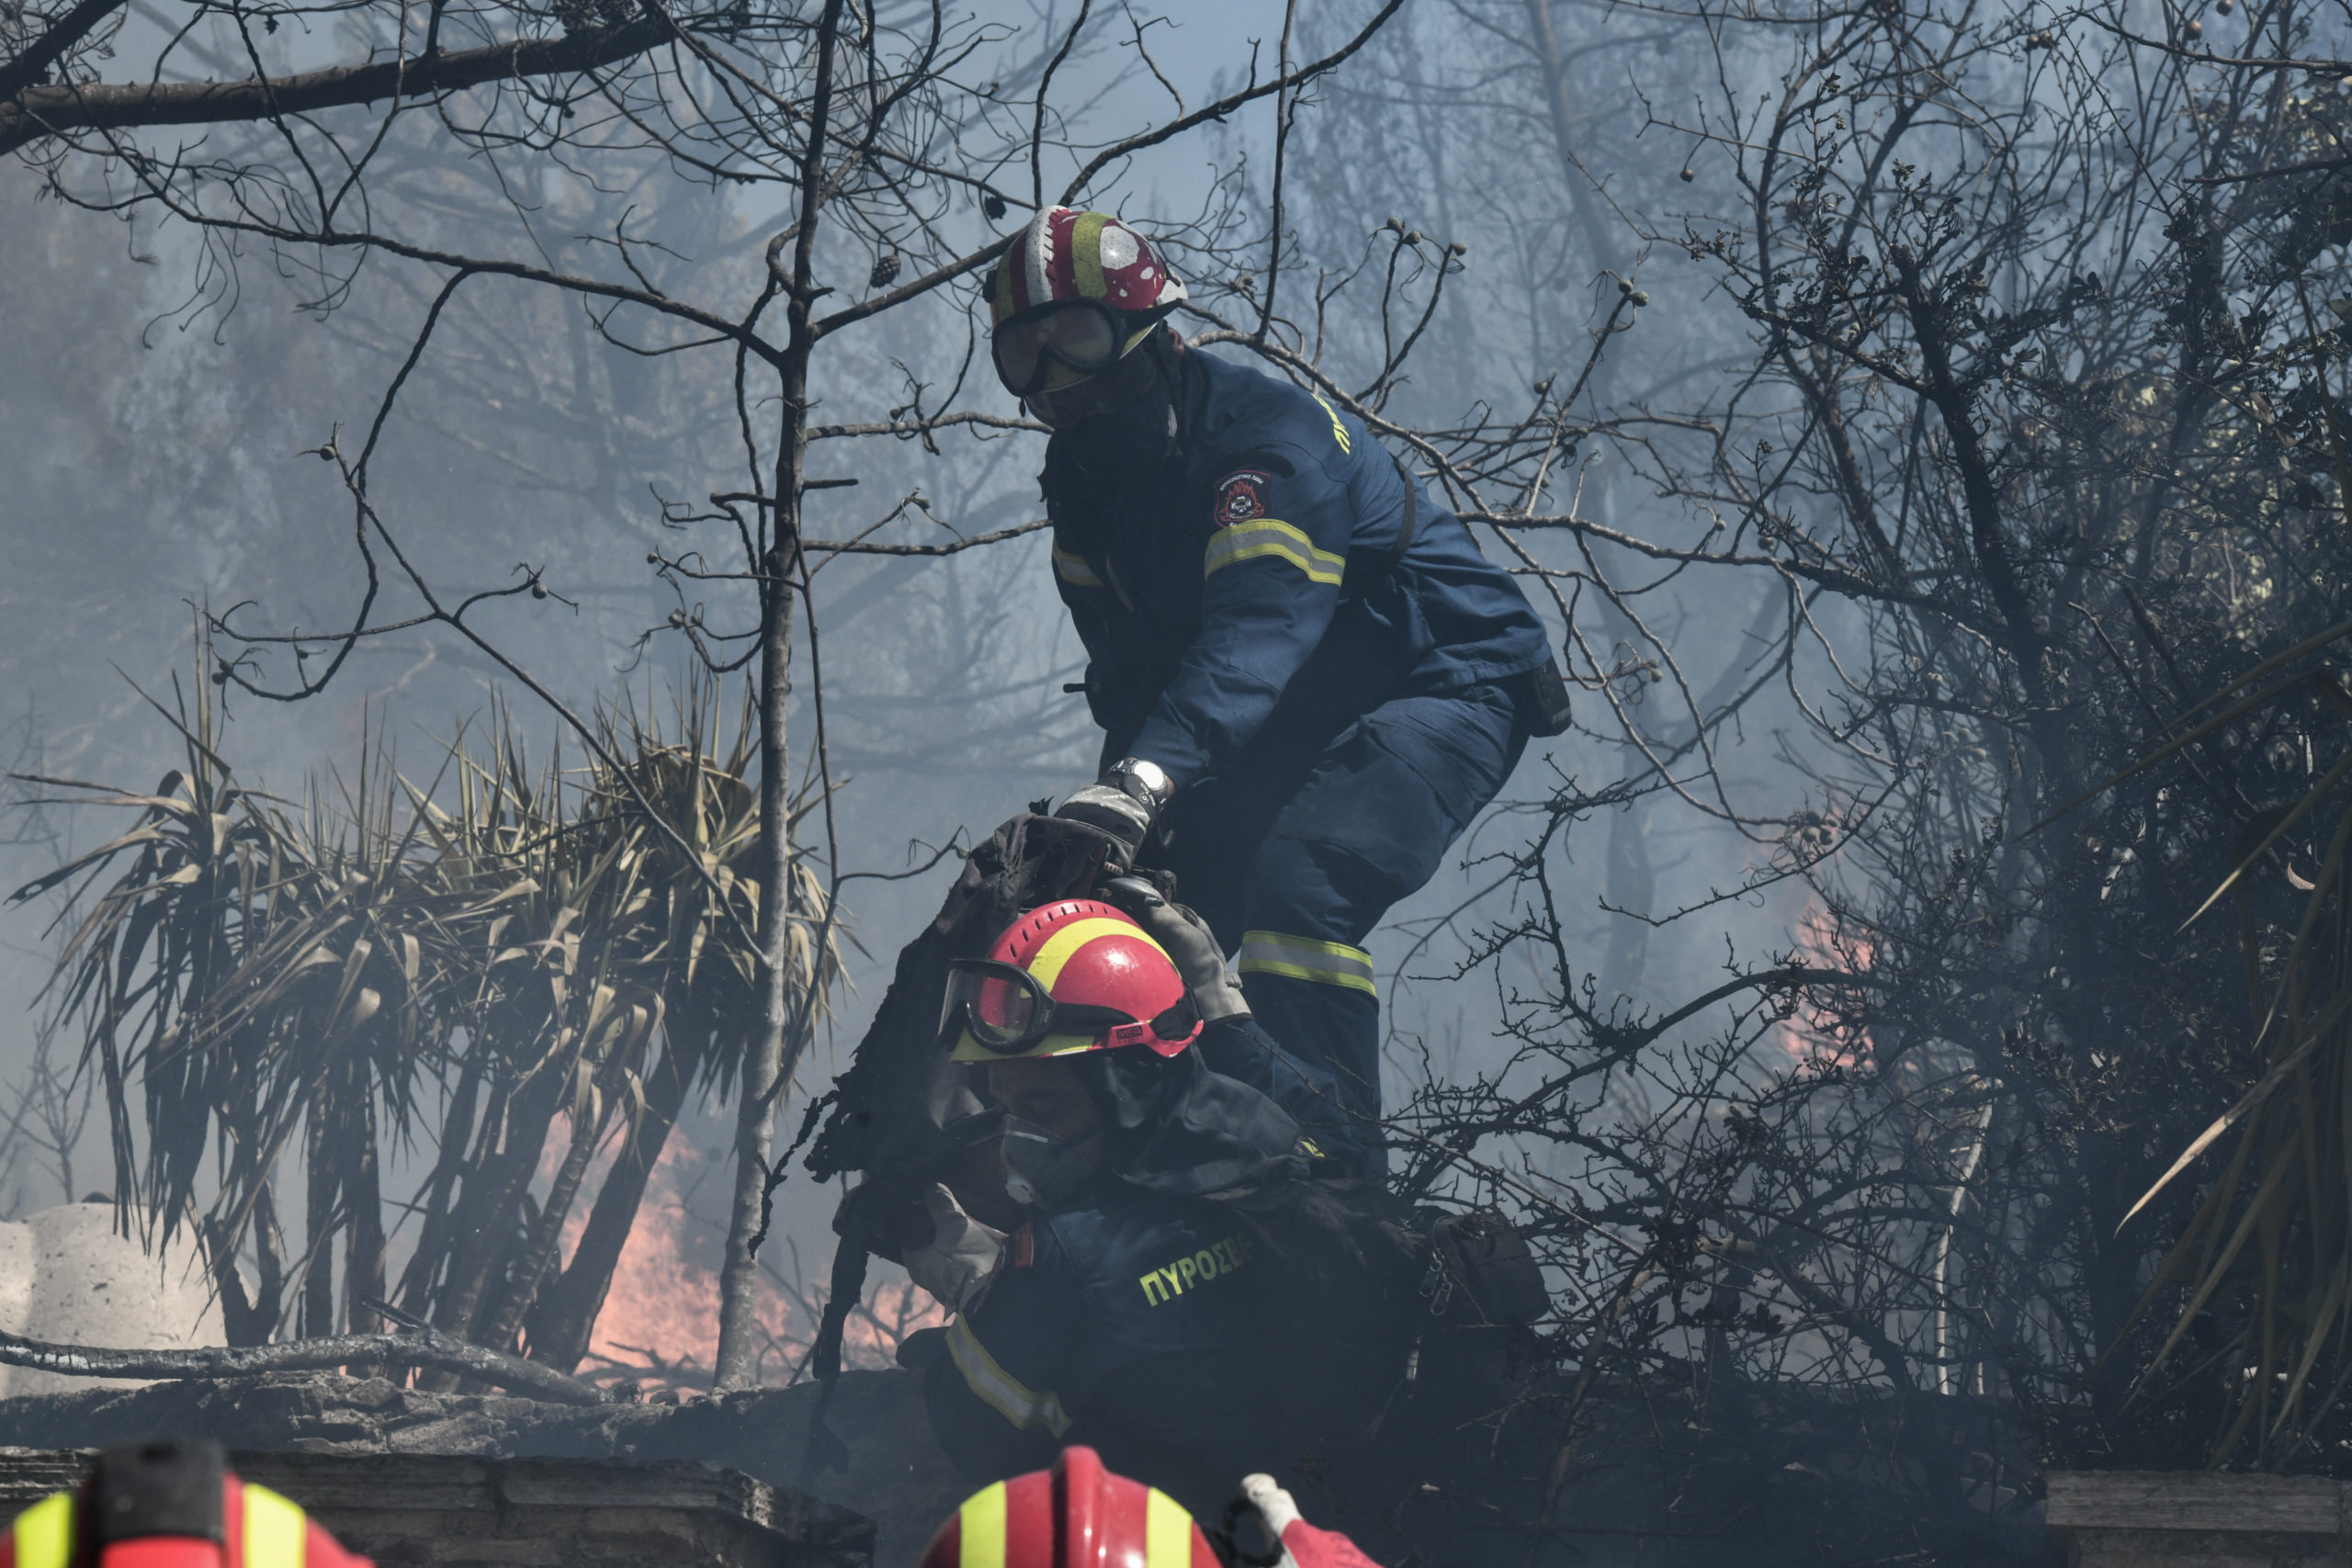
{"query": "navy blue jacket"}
{"type": "Point", "coordinates": [1140, 1324]}
{"type": "Point", "coordinates": [1140, 1318]}
{"type": "Point", "coordinates": [1254, 570]}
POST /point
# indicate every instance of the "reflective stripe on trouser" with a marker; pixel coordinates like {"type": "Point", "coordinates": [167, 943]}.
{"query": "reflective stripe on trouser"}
{"type": "Point", "coordinates": [1307, 958]}
{"type": "Point", "coordinates": [1287, 979]}
{"type": "Point", "coordinates": [1294, 857]}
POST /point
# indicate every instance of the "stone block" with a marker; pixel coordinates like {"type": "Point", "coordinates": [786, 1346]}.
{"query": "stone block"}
{"type": "Point", "coordinates": [66, 1277]}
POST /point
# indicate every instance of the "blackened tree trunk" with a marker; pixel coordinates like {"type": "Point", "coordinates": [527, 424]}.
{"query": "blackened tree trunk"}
{"type": "Point", "coordinates": [560, 1324]}
{"type": "Point", "coordinates": [769, 1058]}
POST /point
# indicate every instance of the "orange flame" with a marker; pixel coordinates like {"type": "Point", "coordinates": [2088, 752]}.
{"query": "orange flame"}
{"type": "Point", "coordinates": [659, 1323]}
{"type": "Point", "coordinates": [1812, 1038]}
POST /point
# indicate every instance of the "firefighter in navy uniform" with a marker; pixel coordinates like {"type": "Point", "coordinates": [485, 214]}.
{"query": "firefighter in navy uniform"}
{"type": "Point", "coordinates": [1308, 677]}
{"type": "Point", "coordinates": [1132, 1312]}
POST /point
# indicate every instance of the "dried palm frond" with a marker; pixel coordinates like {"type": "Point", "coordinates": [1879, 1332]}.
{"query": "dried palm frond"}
{"type": "Point", "coordinates": [2266, 1262]}
{"type": "Point", "coordinates": [471, 958]}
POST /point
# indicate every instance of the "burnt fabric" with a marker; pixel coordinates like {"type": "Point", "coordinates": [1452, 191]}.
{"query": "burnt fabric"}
{"type": "Point", "coordinates": [1336, 680]}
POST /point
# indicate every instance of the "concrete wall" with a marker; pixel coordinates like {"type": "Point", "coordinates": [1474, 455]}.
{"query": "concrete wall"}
{"type": "Point", "coordinates": [66, 1277]}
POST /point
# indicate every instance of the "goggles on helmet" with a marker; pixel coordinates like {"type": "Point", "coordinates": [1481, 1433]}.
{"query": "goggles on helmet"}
{"type": "Point", "coordinates": [1078, 337]}
{"type": "Point", "coordinates": [1006, 1011]}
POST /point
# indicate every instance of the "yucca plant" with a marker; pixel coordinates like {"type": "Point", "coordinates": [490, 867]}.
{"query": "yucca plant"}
{"type": "Point", "coordinates": [473, 960]}
{"type": "Point", "coordinates": [2265, 1261]}
{"type": "Point", "coordinates": [227, 973]}
{"type": "Point", "coordinates": [692, 943]}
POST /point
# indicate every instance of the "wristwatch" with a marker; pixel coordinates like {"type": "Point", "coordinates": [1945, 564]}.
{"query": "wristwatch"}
{"type": "Point", "coordinates": [1143, 781]}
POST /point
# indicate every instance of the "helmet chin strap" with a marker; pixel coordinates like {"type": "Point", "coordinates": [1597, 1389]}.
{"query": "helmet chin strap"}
{"type": "Point", "coordinates": [1167, 350]}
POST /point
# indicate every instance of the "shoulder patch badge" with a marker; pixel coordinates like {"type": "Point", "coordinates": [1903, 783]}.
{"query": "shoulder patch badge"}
{"type": "Point", "coordinates": [1241, 496]}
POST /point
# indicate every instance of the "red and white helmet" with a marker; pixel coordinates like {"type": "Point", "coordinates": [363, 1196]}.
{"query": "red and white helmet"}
{"type": "Point", "coordinates": [1068, 977]}
{"type": "Point", "coordinates": [1072, 295]}
{"type": "Point", "coordinates": [1077, 1515]}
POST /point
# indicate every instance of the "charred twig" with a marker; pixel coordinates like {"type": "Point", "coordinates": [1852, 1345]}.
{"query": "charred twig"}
{"type": "Point", "coordinates": [422, 1347]}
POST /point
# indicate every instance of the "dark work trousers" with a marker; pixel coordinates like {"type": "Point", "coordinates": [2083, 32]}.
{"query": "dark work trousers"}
{"type": "Point", "coordinates": [1296, 852]}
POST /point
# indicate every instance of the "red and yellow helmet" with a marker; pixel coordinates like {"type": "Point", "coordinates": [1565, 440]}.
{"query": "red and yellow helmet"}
{"type": "Point", "coordinates": [1077, 1515]}
{"type": "Point", "coordinates": [1072, 977]}
{"type": "Point", "coordinates": [1072, 295]}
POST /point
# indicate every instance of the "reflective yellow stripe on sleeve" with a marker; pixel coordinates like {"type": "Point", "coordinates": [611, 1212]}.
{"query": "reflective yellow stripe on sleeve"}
{"type": "Point", "coordinates": [1339, 431]}
{"type": "Point", "coordinates": [999, 1389]}
{"type": "Point", "coordinates": [43, 1534]}
{"type": "Point", "coordinates": [1167, 1532]}
{"type": "Point", "coordinates": [979, 1529]}
{"type": "Point", "coordinates": [273, 1530]}
{"type": "Point", "coordinates": [1073, 570]}
{"type": "Point", "coordinates": [1271, 536]}
{"type": "Point", "coordinates": [1305, 958]}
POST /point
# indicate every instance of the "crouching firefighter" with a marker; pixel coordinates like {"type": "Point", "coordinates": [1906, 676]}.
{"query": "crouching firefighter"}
{"type": "Point", "coordinates": [1130, 1307]}
{"type": "Point", "coordinates": [1308, 677]}
{"type": "Point", "coordinates": [1180, 1274]}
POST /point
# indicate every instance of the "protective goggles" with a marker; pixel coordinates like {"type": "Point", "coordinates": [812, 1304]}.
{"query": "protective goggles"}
{"type": "Point", "coordinates": [1078, 337]}
{"type": "Point", "coordinates": [1007, 1012]}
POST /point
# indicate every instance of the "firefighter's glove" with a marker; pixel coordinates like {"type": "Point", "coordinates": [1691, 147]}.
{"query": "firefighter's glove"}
{"type": "Point", "coordinates": [1118, 813]}
{"type": "Point", "coordinates": [886, 1218]}
{"type": "Point", "coordinates": [1123, 804]}
{"type": "Point", "coordinates": [1199, 956]}
{"type": "Point", "coordinates": [959, 1258]}
{"type": "Point", "coordinates": [1304, 1546]}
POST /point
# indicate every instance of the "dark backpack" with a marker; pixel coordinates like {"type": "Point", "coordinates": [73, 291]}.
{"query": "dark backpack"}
{"type": "Point", "coordinates": [893, 1109]}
